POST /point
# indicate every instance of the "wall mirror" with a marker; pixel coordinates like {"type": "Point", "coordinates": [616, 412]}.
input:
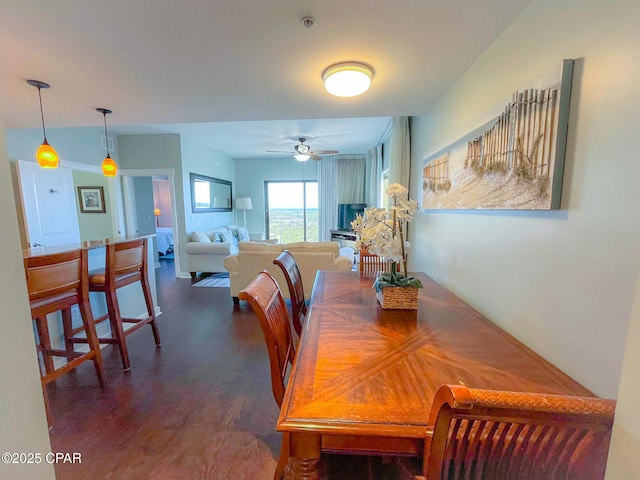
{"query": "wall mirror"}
{"type": "Point", "coordinates": [210, 194]}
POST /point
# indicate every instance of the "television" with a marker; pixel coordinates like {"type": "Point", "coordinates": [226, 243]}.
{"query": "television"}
{"type": "Point", "coordinates": [347, 213]}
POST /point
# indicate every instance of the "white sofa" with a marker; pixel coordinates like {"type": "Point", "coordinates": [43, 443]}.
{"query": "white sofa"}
{"type": "Point", "coordinates": [253, 257]}
{"type": "Point", "coordinates": [207, 249]}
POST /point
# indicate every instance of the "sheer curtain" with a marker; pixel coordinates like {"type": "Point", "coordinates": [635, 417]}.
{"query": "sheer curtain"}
{"type": "Point", "coordinates": [341, 179]}
{"type": "Point", "coordinates": [327, 207]}
{"type": "Point", "coordinates": [374, 175]}
{"type": "Point", "coordinates": [400, 146]}
{"type": "Point", "coordinates": [350, 178]}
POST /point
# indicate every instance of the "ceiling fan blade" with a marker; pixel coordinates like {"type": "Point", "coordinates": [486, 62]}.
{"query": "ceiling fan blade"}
{"type": "Point", "coordinates": [323, 152]}
{"type": "Point", "coordinates": [315, 157]}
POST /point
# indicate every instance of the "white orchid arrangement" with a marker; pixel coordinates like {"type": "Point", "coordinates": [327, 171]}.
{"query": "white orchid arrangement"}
{"type": "Point", "coordinates": [381, 232]}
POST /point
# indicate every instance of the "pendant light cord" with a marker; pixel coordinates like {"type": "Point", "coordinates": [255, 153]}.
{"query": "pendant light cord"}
{"type": "Point", "coordinates": [106, 136]}
{"type": "Point", "coordinates": [44, 134]}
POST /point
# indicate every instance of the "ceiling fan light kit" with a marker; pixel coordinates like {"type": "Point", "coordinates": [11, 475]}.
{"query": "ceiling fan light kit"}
{"type": "Point", "coordinates": [347, 79]}
{"type": "Point", "coordinates": [302, 152]}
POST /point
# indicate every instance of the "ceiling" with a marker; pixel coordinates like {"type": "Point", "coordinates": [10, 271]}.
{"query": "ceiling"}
{"type": "Point", "coordinates": [243, 77]}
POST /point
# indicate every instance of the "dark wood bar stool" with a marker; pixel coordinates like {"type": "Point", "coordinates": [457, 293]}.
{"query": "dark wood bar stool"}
{"type": "Point", "coordinates": [126, 263]}
{"type": "Point", "coordinates": [55, 282]}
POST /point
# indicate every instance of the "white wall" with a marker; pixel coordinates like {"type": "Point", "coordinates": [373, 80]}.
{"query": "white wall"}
{"type": "Point", "coordinates": [23, 425]}
{"type": "Point", "coordinates": [252, 173]}
{"type": "Point", "coordinates": [162, 201]}
{"type": "Point", "coordinates": [200, 159]}
{"type": "Point", "coordinates": [625, 443]}
{"type": "Point", "coordinates": [560, 281]}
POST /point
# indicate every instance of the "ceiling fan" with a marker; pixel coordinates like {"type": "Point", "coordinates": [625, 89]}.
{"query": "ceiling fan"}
{"type": "Point", "coordinates": [303, 152]}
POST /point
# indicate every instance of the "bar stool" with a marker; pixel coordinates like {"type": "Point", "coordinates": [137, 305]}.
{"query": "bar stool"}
{"type": "Point", "coordinates": [126, 263]}
{"type": "Point", "coordinates": [56, 282]}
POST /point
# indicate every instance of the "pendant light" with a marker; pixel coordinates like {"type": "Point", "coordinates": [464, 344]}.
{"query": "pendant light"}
{"type": "Point", "coordinates": [109, 167]}
{"type": "Point", "coordinates": [46, 155]}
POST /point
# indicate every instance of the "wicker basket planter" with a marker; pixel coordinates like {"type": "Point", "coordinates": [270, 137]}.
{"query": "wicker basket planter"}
{"type": "Point", "coordinates": [398, 298]}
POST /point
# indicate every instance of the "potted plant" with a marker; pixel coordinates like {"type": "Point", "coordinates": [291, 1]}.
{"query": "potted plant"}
{"type": "Point", "coordinates": [381, 232]}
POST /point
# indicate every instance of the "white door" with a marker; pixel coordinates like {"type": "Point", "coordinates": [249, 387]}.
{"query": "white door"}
{"type": "Point", "coordinates": [49, 205]}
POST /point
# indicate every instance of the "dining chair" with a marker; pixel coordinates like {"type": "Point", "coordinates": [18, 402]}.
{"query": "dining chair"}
{"type": "Point", "coordinates": [480, 434]}
{"type": "Point", "coordinates": [56, 282]}
{"type": "Point", "coordinates": [371, 263]}
{"type": "Point", "coordinates": [126, 263]}
{"type": "Point", "coordinates": [289, 267]}
{"type": "Point", "coordinates": [266, 300]}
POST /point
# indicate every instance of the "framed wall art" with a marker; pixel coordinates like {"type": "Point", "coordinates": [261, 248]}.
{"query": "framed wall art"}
{"type": "Point", "coordinates": [91, 199]}
{"type": "Point", "coordinates": [513, 162]}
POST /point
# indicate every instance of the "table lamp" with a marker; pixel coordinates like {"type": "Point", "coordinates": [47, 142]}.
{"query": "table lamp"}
{"type": "Point", "coordinates": [244, 204]}
{"type": "Point", "coordinates": [156, 212]}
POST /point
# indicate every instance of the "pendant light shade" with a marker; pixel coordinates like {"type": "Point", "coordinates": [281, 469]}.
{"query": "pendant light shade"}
{"type": "Point", "coordinates": [109, 166]}
{"type": "Point", "coordinates": [46, 155]}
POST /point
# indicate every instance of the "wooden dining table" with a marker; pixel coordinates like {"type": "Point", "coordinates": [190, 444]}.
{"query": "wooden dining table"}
{"type": "Point", "coordinates": [364, 378]}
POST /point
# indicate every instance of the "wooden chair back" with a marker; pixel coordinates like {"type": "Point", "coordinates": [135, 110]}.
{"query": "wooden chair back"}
{"type": "Point", "coordinates": [289, 267]}
{"type": "Point", "coordinates": [371, 263]}
{"type": "Point", "coordinates": [480, 434]}
{"type": "Point", "coordinates": [55, 276]}
{"type": "Point", "coordinates": [127, 260]}
{"type": "Point", "coordinates": [265, 297]}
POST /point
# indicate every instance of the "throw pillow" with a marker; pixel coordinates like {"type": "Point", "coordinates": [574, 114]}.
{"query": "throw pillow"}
{"type": "Point", "coordinates": [227, 236]}
{"type": "Point", "coordinates": [200, 236]}
{"type": "Point", "coordinates": [243, 234]}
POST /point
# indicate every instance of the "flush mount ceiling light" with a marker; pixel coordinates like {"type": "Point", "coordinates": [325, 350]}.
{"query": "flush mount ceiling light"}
{"type": "Point", "coordinates": [46, 155]}
{"type": "Point", "coordinates": [347, 79]}
{"type": "Point", "coordinates": [109, 167]}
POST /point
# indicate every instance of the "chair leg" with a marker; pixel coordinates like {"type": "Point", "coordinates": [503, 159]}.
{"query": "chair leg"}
{"type": "Point", "coordinates": [283, 459]}
{"type": "Point", "coordinates": [92, 341]}
{"type": "Point", "coordinates": [117, 331]}
{"type": "Point", "coordinates": [146, 290]}
{"type": "Point", "coordinates": [67, 328]}
{"type": "Point", "coordinates": [43, 333]}
{"type": "Point", "coordinates": [47, 407]}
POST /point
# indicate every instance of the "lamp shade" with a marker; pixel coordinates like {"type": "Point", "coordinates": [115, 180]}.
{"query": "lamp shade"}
{"type": "Point", "coordinates": [109, 167]}
{"type": "Point", "coordinates": [347, 79]}
{"type": "Point", "coordinates": [156, 212]}
{"type": "Point", "coordinates": [244, 203]}
{"type": "Point", "coordinates": [47, 156]}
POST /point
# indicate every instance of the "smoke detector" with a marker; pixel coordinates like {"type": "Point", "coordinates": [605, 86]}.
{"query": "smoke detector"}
{"type": "Point", "coordinates": [308, 22]}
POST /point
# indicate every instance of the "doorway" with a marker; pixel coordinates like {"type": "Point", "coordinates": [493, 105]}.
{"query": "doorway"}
{"type": "Point", "coordinates": [152, 208]}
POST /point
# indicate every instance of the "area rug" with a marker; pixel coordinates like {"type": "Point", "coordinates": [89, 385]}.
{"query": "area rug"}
{"type": "Point", "coordinates": [214, 280]}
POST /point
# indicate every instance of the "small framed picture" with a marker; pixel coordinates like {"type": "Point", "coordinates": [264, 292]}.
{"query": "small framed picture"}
{"type": "Point", "coordinates": [91, 199]}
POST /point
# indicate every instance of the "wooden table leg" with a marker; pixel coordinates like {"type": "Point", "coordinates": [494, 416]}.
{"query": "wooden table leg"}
{"type": "Point", "coordinates": [305, 457]}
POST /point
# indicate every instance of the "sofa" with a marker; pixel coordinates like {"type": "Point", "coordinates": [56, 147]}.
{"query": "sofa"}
{"type": "Point", "coordinates": [253, 257]}
{"type": "Point", "coordinates": [207, 249]}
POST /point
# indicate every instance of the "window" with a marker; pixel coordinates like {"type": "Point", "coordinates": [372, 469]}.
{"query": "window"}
{"type": "Point", "coordinates": [384, 185]}
{"type": "Point", "coordinates": [292, 211]}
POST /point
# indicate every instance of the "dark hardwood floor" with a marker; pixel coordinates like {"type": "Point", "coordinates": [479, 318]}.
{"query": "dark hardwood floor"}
{"type": "Point", "coordinates": [198, 407]}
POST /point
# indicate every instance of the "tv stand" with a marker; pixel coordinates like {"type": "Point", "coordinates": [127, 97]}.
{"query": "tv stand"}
{"type": "Point", "coordinates": [344, 236]}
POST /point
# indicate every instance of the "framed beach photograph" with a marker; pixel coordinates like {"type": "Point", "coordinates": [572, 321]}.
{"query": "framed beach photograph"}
{"type": "Point", "coordinates": [91, 199]}
{"type": "Point", "coordinates": [515, 161]}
